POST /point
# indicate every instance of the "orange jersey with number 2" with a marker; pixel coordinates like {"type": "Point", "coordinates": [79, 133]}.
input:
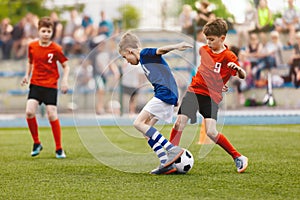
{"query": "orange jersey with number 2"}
{"type": "Point", "coordinates": [44, 59]}
{"type": "Point", "coordinates": [213, 73]}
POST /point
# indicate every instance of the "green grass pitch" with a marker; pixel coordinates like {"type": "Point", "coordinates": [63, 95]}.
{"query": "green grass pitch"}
{"type": "Point", "coordinates": [273, 171]}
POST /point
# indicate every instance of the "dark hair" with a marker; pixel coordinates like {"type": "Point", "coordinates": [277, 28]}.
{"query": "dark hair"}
{"type": "Point", "coordinates": [235, 50]}
{"type": "Point", "coordinates": [217, 27]}
{"type": "Point", "coordinates": [45, 22]}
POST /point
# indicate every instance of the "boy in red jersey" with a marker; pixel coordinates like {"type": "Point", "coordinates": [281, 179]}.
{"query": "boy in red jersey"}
{"type": "Point", "coordinates": [204, 93]}
{"type": "Point", "coordinates": [43, 55]}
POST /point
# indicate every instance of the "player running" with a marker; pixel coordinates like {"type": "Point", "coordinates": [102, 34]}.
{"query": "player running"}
{"type": "Point", "coordinates": [43, 55]}
{"type": "Point", "coordinates": [204, 93]}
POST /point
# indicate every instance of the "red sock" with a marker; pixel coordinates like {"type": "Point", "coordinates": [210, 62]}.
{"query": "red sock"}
{"type": "Point", "coordinates": [227, 146]}
{"type": "Point", "coordinates": [175, 137]}
{"type": "Point", "coordinates": [33, 128]}
{"type": "Point", "coordinates": [55, 125]}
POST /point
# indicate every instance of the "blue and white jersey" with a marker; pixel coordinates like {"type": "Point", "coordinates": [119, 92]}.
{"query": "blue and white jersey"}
{"type": "Point", "coordinates": [160, 76]}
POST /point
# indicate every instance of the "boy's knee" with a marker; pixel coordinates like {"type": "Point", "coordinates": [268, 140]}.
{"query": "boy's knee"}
{"type": "Point", "coordinates": [30, 114]}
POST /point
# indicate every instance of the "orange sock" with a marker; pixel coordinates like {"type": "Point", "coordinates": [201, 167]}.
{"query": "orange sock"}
{"type": "Point", "coordinates": [56, 130]}
{"type": "Point", "coordinates": [175, 137]}
{"type": "Point", "coordinates": [33, 128]}
{"type": "Point", "coordinates": [227, 146]}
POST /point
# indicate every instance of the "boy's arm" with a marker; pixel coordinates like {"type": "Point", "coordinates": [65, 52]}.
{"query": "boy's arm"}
{"type": "Point", "coordinates": [180, 46]}
{"type": "Point", "coordinates": [64, 81]}
{"type": "Point", "coordinates": [240, 71]}
{"type": "Point", "coordinates": [25, 79]}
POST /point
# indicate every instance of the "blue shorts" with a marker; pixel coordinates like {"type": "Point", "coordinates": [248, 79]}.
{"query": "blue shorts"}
{"type": "Point", "coordinates": [191, 103]}
{"type": "Point", "coordinates": [45, 95]}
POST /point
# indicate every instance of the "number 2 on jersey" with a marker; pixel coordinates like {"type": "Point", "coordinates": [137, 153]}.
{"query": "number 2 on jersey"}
{"type": "Point", "coordinates": [50, 57]}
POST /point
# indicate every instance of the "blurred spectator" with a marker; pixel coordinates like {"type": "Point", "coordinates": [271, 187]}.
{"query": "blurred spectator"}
{"type": "Point", "coordinates": [289, 21]}
{"type": "Point", "coordinates": [264, 18]}
{"type": "Point", "coordinates": [87, 24]}
{"type": "Point", "coordinates": [247, 25]}
{"type": "Point", "coordinates": [266, 56]}
{"type": "Point", "coordinates": [6, 41]}
{"type": "Point", "coordinates": [294, 63]}
{"type": "Point", "coordinates": [31, 26]}
{"type": "Point", "coordinates": [71, 28]}
{"type": "Point", "coordinates": [102, 65]}
{"type": "Point", "coordinates": [84, 77]}
{"type": "Point", "coordinates": [131, 82]}
{"type": "Point", "coordinates": [200, 41]}
{"type": "Point", "coordinates": [253, 48]}
{"type": "Point", "coordinates": [203, 12]}
{"type": "Point", "coordinates": [58, 28]}
{"type": "Point", "coordinates": [17, 37]}
{"type": "Point", "coordinates": [104, 31]}
{"type": "Point", "coordinates": [106, 26]}
{"type": "Point", "coordinates": [186, 18]}
{"type": "Point", "coordinates": [242, 84]}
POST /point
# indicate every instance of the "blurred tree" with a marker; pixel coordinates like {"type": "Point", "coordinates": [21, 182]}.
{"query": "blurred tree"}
{"type": "Point", "coordinates": [16, 9]}
{"type": "Point", "coordinates": [219, 8]}
{"type": "Point", "coordinates": [130, 16]}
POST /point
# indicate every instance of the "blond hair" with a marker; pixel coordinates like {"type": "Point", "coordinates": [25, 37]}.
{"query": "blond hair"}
{"type": "Point", "coordinates": [129, 40]}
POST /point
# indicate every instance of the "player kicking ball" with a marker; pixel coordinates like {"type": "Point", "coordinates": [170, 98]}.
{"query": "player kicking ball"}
{"type": "Point", "coordinates": [161, 106]}
{"type": "Point", "coordinates": [204, 93]}
{"type": "Point", "coordinates": [43, 55]}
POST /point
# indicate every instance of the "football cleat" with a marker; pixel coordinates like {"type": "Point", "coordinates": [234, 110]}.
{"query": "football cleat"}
{"type": "Point", "coordinates": [164, 170]}
{"type": "Point", "coordinates": [60, 154]}
{"type": "Point", "coordinates": [241, 163]}
{"type": "Point", "coordinates": [173, 154]}
{"type": "Point", "coordinates": [37, 148]}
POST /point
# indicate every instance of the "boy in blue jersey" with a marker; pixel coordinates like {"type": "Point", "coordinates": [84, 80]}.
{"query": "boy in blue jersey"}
{"type": "Point", "coordinates": [165, 97]}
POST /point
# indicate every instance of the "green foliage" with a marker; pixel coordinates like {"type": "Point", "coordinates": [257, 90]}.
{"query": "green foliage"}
{"type": "Point", "coordinates": [130, 16]}
{"type": "Point", "coordinates": [220, 9]}
{"type": "Point", "coordinates": [17, 9]}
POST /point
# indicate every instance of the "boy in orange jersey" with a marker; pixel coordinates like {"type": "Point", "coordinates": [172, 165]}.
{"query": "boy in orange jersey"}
{"type": "Point", "coordinates": [204, 93]}
{"type": "Point", "coordinates": [43, 55]}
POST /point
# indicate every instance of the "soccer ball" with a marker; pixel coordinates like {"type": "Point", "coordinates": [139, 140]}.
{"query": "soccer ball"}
{"type": "Point", "coordinates": [185, 162]}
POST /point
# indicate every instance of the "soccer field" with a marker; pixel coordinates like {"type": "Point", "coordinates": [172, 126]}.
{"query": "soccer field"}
{"type": "Point", "coordinates": [273, 172]}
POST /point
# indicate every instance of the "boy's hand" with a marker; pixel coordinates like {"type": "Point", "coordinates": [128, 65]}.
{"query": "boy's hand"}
{"type": "Point", "coordinates": [64, 87]}
{"type": "Point", "coordinates": [24, 81]}
{"type": "Point", "coordinates": [233, 66]}
{"type": "Point", "coordinates": [225, 88]}
{"type": "Point", "coordinates": [184, 45]}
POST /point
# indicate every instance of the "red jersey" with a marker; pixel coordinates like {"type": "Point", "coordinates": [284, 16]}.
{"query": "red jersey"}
{"type": "Point", "coordinates": [213, 73]}
{"type": "Point", "coordinates": [44, 59]}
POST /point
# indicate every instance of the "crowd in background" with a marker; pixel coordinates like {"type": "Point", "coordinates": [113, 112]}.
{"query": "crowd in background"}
{"type": "Point", "coordinates": [262, 39]}
{"type": "Point", "coordinates": [76, 36]}
{"type": "Point", "coordinates": [259, 44]}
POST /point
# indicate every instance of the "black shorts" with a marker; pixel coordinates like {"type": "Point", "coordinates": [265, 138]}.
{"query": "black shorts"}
{"type": "Point", "coordinates": [191, 103]}
{"type": "Point", "coordinates": [45, 95]}
{"type": "Point", "coordinates": [131, 91]}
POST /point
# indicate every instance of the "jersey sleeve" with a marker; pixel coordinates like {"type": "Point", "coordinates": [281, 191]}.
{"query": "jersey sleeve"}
{"type": "Point", "coordinates": [60, 55]}
{"type": "Point", "coordinates": [148, 52]}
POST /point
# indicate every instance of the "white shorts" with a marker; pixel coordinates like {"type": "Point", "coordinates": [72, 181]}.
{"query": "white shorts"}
{"type": "Point", "coordinates": [160, 109]}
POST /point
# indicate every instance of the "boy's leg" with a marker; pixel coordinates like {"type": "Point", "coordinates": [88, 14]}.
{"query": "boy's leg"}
{"type": "Point", "coordinates": [221, 140]}
{"type": "Point", "coordinates": [56, 130]}
{"type": "Point", "coordinates": [31, 107]}
{"type": "Point", "coordinates": [33, 128]}
{"type": "Point", "coordinates": [174, 152]}
{"type": "Point", "coordinates": [177, 129]}
{"type": "Point", "coordinates": [159, 151]}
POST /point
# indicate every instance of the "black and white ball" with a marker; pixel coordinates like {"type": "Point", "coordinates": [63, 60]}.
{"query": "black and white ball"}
{"type": "Point", "coordinates": [185, 162]}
